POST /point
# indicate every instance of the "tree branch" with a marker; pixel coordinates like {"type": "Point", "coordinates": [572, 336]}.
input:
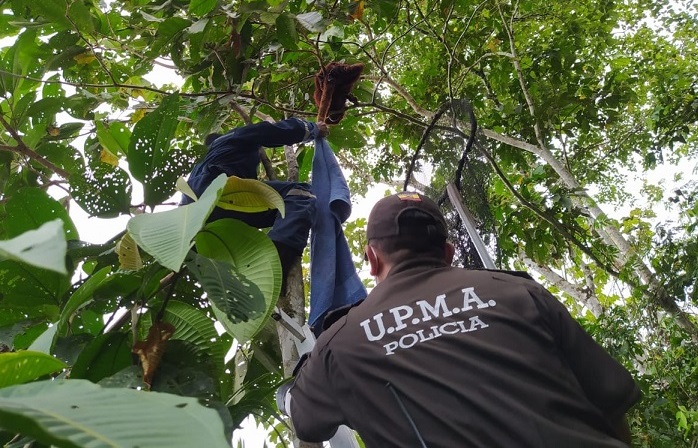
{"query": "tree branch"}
{"type": "Point", "coordinates": [585, 297]}
{"type": "Point", "coordinates": [24, 150]}
{"type": "Point", "coordinates": [403, 93]}
{"type": "Point", "coordinates": [520, 75]}
{"type": "Point", "coordinates": [543, 215]}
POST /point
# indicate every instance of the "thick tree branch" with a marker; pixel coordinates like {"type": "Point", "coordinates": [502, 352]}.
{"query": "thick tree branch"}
{"type": "Point", "coordinates": [585, 297]}
{"type": "Point", "coordinates": [403, 93]}
{"type": "Point", "coordinates": [544, 215]}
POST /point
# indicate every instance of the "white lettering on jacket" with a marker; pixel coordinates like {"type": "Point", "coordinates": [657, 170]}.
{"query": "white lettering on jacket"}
{"type": "Point", "coordinates": [408, 321]}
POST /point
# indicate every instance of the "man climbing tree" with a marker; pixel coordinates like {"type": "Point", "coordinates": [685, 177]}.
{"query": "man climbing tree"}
{"type": "Point", "coordinates": [237, 154]}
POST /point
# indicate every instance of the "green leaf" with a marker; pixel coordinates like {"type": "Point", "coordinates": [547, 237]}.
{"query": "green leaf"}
{"type": "Point", "coordinates": [67, 131]}
{"type": "Point", "coordinates": [236, 296]}
{"type": "Point", "coordinates": [115, 136]}
{"type": "Point", "coordinates": [345, 135]}
{"type": "Point", "coordinates": [104, 191]}
{"type": "Point", "coordinates": [201, 7]}
{"type": "Point", "coordinates": [168, 31]}
{"type": "Point", "coordinates": [53, 11]}
{"type": "Point", "coordinates": [81, 297]}
{"type": "Point", "coordinates": [103, 357]}
{"type": "Point", "coordinates": [195, 327]}
{"type": "Point", "coordinates": [167, 236]}
{"type": "Point", "coordinates": [29, 208]}
{"type": "Point", "coordinates": [250, 195]}
{"type": "Point", "coordinates": [44, 247]}
{"type": "Point", "coordinates": [286, 31]}
{"type": "Point", "coordinates": [34, 291]}
{"type": "Point", "coordinates": [44, 343]}
{"type": "Point", "coordinates": [75, 413]}
{"type": "Point", "coordinates": [255, 257]}
{"type": "Point", "coordinates": [191, 324]}
{"type": "Point", "coordinates": [24, 365]}
{"type": "Point", "coordinates": [312, 21]}
{"type": "Point", "coordinates": [79, 13]}
{"type": "Point", "coordinates": [150, 150]}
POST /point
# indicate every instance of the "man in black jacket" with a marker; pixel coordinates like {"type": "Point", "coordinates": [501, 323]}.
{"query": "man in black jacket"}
{"type": "Point", "coordinates": [438, 356]}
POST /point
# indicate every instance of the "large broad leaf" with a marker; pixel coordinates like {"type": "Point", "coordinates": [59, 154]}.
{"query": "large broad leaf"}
{"type": "Point", "coordinates": [23, 366]}
{"type": "Point", "coordinates": [345, 135]}
{"type": "Point", "coordinates": [44, 342]}
{"type": "Point", "coordinates": [77, 413]}
{"type": "Point", "coordinates": [34, 291]}
{"type": "Point", "coordinates": [228, 290]}
{"type": "Point", "coordinates": [255, 257]}
{"type": "Point", "coordinates": [28, 208]}
{"type": "Point", "coordinates": [286, 31]}
{"type": "Point", "coordinates": [250, 195]}
{"type": "Point", "coordinates": [104, 191]}
{"type": "Point", "coordinates": [150, 151]}
{"type": "Point", "coordinates": [201, 7]}
{"type": "Point", "coordinates": [44, 247]}
{"type": "Point", "coordinates": [194, 326]}
{"type": "Point", "coordinates": [103, 357]}
{"type": "Point", "coordinates": [167, 236]}
{"type": "Point", "coordinates": [81, 297]}
{"type": "Point", "coordinates": [312, 21]}
{"type": "Point", "coordinates": [64, 14]}
{"type": "Point", "coordinates": [115, 136]}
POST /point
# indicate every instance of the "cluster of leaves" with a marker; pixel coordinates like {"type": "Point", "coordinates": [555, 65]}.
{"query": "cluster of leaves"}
{"type": "Point", "coordinates": [183, 354]}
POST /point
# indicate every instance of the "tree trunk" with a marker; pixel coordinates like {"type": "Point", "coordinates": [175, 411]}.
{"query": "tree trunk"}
{"type": "Point", "coordinates": [292, 302]}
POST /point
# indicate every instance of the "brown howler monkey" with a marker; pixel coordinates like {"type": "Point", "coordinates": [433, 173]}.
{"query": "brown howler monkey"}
{"type": "Point", "coordinates": [333, 85]}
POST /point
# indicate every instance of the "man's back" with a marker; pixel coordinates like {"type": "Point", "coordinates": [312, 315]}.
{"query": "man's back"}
{"type": "Point", "coordinates": [461, 358]}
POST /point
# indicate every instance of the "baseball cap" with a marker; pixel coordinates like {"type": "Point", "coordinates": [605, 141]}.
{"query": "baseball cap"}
{"type": "Point", "coordinates": [384, 219]}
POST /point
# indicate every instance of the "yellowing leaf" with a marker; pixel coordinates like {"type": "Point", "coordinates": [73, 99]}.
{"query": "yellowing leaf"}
{"type": "Point", "coordinates": [127, 251]}
{"type": "Point", "coordinates": [493, 45]}
{"type": "Point", "coordinates": [251, 196]}
{"type": "Point", "coordinates": [108, 157]}
{"type": "Point", "coordinates": [84, 58]}
{"type": "Point", "coordinates": [137, 115]}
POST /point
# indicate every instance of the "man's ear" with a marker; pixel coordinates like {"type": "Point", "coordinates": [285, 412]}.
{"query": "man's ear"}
{"type": "Point", "coordinates": [449, 251]}
{"type": "Point", "coordinates": [373, 261]}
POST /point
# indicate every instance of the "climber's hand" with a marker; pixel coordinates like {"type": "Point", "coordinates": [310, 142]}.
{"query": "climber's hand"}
{"type": "Point", "coordinates": [323, 129]}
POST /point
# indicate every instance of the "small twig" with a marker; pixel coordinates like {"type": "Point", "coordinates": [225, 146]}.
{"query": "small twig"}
{"type": "Point", "coordinates": [58, 184]}
{"type": "Point", "coordinates": [173, 282]}
{"type": "Point", "coordinates": [92, 48]}
{"type": "Point", "coordinates": [23, 149]}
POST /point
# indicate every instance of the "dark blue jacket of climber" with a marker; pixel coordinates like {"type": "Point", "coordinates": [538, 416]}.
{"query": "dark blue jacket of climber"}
{"type": "Point", "coordinates": [236, 153]}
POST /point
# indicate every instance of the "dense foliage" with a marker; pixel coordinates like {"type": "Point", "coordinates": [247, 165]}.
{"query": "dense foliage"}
{"type": "Point", "coordinates": [583, 107]}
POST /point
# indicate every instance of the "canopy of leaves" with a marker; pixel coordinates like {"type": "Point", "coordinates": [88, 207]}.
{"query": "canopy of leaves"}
{"type": "Point", "coordinates": [579, 106]}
